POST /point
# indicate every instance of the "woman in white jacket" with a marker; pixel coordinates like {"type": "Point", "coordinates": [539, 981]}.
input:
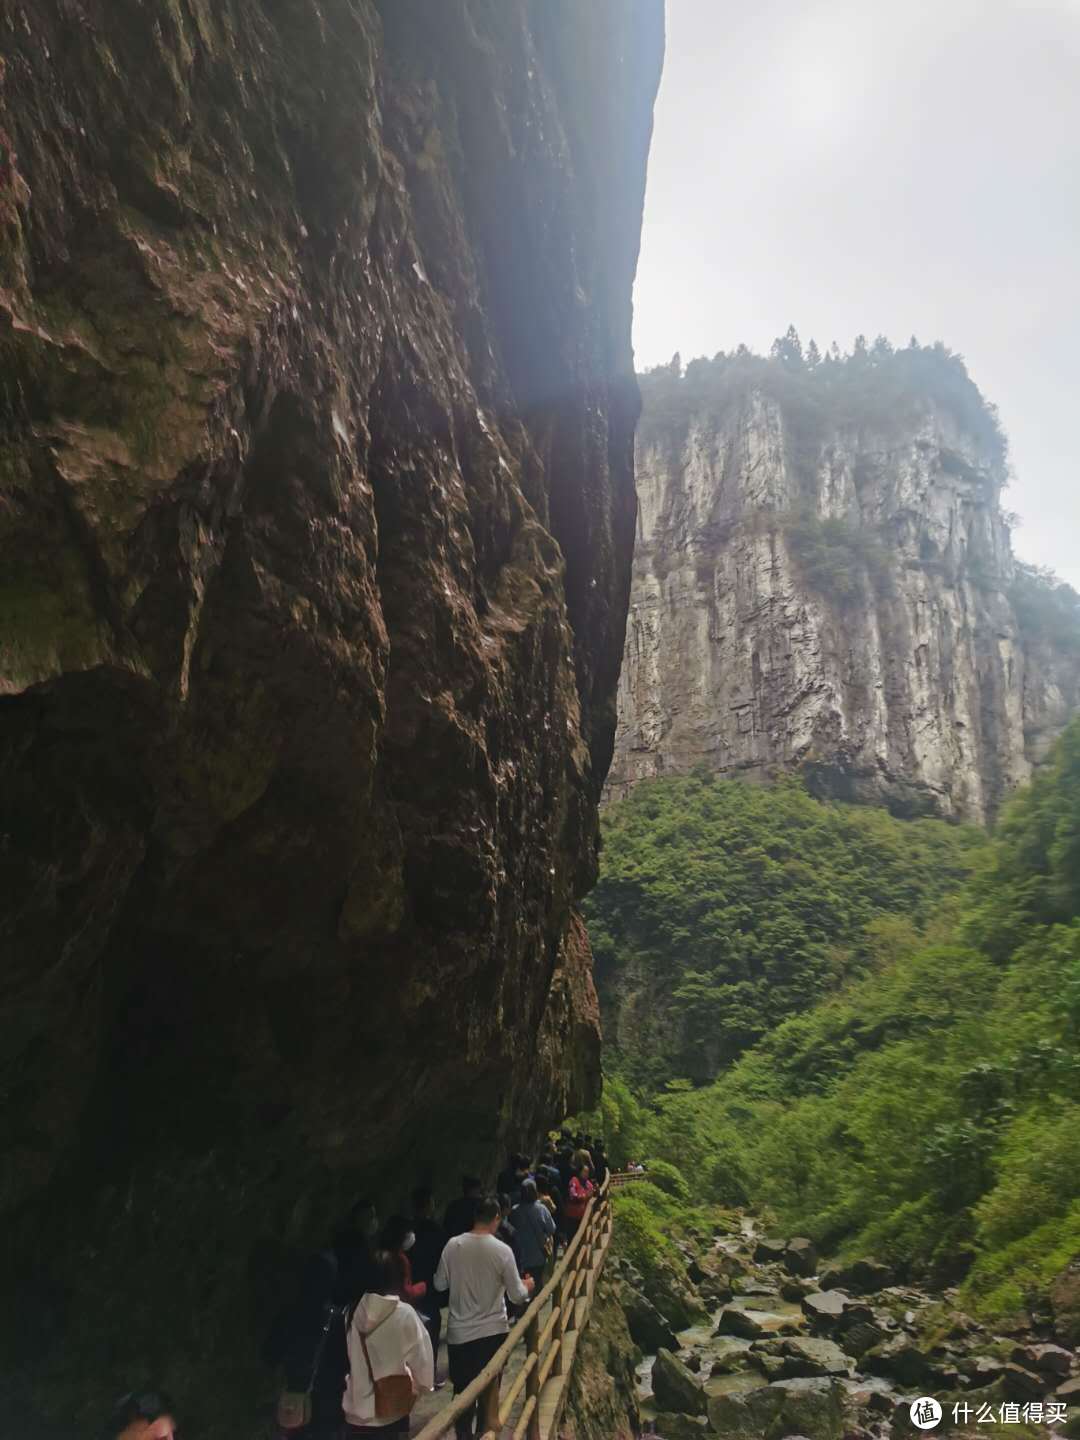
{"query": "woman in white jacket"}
{"type": "Point", "coordinates": [396, 1343]}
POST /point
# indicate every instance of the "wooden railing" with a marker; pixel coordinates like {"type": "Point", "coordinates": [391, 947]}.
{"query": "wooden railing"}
{"type": "Point", "coordinates": [549, 1342]}
{"type": "Point", "coordinates": [620, 1178]}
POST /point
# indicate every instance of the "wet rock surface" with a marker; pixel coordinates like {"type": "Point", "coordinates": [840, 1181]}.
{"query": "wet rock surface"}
{"type": "Point", "coordinates": [771, 1366]}
{"type": "Point", "coordinates": [316, 518]}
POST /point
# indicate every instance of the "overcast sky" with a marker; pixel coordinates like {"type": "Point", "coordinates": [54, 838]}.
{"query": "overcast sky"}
{"type": "Point", "coordinates": [895, 166]}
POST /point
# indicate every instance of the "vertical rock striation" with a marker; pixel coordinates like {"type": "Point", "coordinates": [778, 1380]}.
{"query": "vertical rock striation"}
{"type": "Point", "coordinates": [316, 517]}
{"type": "Point", "coordinates": [831, 587]}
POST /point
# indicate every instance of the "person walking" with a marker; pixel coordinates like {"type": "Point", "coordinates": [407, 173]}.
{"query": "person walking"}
{"type": "Point", "coordinates": [535, 1232]}
{"type": "Point", "coordinates": [386, 1337]}
{"type": "Point", "coordinates": [578, 1195]}
{"type": "Point", "coordinates": [399, 1238]}
{"type": "Point", "coordinates": [480, 1274]}
{"type": "Point", "coordinates": [425, 1256]}
{"type": "Point", "coordinates": [461, 1212]}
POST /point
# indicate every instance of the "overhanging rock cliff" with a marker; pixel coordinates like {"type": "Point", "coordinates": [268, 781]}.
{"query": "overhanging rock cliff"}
{"type": "Point", "coordinates": [823, 579]}
{"type": "Point", "coordinates": [316, 516]}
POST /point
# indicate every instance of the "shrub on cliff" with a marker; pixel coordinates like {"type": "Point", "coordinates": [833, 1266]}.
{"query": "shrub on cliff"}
{"type": "Point", "coordinates": [669, 1179]}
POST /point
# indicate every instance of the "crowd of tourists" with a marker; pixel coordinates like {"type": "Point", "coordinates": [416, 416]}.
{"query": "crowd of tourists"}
{"type": "Point", "coordinates": [359, 1342]}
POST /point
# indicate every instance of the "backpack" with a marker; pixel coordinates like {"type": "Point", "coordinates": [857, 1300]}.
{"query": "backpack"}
{"type": "Point", "coordinates": [395, 1395]}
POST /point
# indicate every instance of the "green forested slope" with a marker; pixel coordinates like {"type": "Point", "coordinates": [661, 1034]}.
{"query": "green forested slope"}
{"type": "Point", "coordinates": [928, 1111]}
{"type": "Point", "coordinates": [723, 908]}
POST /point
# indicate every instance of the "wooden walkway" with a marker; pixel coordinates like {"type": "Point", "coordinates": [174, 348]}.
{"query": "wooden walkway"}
{"type": "Point", "coordinates": [523, 1388]}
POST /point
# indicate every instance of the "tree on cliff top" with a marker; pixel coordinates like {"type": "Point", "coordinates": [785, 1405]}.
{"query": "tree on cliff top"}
{"type": "Point", "coordinates": [870, 386]}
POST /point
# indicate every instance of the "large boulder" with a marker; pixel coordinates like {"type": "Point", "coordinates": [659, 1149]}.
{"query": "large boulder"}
{"type": "Point", "coordinates": [898, 1359]}
{"type": "Point", "coordinates": [675, 1387]}
{"type": "Point", "coordinates": [767, 1251]}
{"type": "Point", "coordinates": [715, 1290]}
{"type": "Point", "coordinates": [805, 1356]}
{"type": "Point", "coordinates": [647, 1326]}
{"type": "Point", "coordinates": [1045, 1359]}
{"type": "Point", "coordinates": [741, 1323]}
{"type": "Point", "coordinates": [860, 1277]}
{"type": "Point", "coordinates": [671, 1425]}
{"type": "Point", "coordinates": [1023, 1384]}
{"type": "Point", "coordinates": [800, 1257]}
{"type": "Point", "coordinates": [794, 1287]}
{"type": "Point", "coordinates": [982, 1369]}
{"type": "Point", "coordinates": [825, 1307]}
{"type": "Point", "coordinates": [857, 1339]}
{"type": "Point", "coordinates": [747, 1285]}
{"type": "Point", "coordinates": [813, 1408]}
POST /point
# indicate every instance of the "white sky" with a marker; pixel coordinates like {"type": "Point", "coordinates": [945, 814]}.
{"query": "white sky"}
{"type": "Point", "coordinates": [895, 166]}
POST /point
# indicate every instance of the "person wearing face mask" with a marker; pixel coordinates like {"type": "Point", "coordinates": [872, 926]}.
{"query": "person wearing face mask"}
{"type": "Point", "coordinates": [146, 1416]}
{"type": "Point", "coordinates": [398, 1238]}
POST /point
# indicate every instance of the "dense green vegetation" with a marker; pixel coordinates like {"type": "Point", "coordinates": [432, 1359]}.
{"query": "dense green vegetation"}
{"type": "Point", "coordinates": [929, 1110]}
{"type": "Point", "coordinates": [723, 908]}
{"type": "Point", "coordinates": [873, 385]}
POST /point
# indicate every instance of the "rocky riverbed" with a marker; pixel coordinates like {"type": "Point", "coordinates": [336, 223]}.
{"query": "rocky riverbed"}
{"type": "Point", "coordinates": [789, 1345]}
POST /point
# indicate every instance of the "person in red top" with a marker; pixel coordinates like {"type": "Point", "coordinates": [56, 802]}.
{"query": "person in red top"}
{"type": "Point", "coordinates": [578, 1194]}
{"type": "Point", "coordinates": [398, 1238]}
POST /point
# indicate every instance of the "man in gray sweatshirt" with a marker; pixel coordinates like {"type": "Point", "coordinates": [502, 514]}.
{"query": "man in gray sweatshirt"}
{"type": "Point", "coordinates": [479, 1271]}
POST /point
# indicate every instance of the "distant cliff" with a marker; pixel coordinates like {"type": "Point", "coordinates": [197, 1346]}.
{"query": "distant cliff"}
{"type": "Point", "coordinates": [823, 579]}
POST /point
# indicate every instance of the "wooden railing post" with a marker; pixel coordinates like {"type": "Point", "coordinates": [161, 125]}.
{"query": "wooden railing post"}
{"type": "Point", "coordinates": [532, 1385]}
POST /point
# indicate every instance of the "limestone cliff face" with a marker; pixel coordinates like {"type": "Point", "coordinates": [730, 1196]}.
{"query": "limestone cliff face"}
{"type": "Point", "coordinates": [838, 595]}
{"type": "Point", "coordinates": [316, 516]}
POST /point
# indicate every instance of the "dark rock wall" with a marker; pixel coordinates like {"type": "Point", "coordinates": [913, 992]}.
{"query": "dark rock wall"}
{"type": "Point", "coordinates": [316, 517]}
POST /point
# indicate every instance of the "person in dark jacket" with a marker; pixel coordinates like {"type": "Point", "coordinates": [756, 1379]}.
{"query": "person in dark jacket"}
{"type": "Point", "coordinates": [600, 1161]}
{"type": "Point", "coordinates": [534, 1232]}
{"type": "Point", "coordinates": [354, 1242]}
{"type": "Point", "coordinates": [461, 1213]}
{"type": "Point", "coordinates": [307, 1342]}
{"type": "Point", "coordinates": [425, 1256]}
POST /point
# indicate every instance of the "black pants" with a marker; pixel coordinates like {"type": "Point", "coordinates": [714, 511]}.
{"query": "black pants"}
{"type": "Point", "coordinates": [466, 1362]}
{"type": "Point", "coordinates": [433, 1325]}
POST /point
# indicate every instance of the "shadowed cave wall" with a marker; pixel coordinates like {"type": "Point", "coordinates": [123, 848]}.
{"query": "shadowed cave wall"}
{"type": "Point", "coordinates": [316, 519]}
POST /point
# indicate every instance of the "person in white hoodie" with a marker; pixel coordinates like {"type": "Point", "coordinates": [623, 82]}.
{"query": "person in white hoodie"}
{"type": "Point", "coordinates": [396, 1342]}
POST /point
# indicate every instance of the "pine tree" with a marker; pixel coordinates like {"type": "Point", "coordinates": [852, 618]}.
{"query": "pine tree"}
{"type": "Point", "coordinates": [788, 350]}
{"type": "Point", "coordinates": [882, 348]}
{"type": "Point", "coordinates": [813, 355]}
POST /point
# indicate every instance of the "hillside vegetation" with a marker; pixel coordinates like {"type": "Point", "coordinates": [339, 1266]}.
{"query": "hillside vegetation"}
{"type": "Point", "coordinates": [928, 1110]}
{"type": "Point", "coordinates": [873, 384]}
{"type": "Point", "coordinates": [723, 908]}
